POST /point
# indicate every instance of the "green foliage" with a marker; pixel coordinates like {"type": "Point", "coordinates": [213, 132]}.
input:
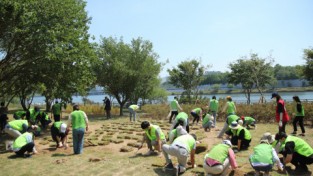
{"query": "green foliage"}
{"type": "Point", "coordinates": [45, 44]}
{"type": "Point", "coordinates": [308, 68]}
{"type": "Point", "coordinates": [188, 75]}
{"type": "Point", "coordinates": [215, 78]}
{"type": "Point", "coordinates": [251, 72]}
{"type": "Point", "coordinates": [127, 71]}
{"type": "Point", "coordinates": [288, 72]}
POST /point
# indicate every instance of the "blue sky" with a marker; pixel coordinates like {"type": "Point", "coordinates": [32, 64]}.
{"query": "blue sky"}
{"type": "Point", "coordinates": [217, 31]}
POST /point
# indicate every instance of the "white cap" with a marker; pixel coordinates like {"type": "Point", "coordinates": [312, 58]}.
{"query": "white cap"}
{"type": "Point", "coordinates": [227, 142]}
{"type": "Point", "coordinates": [63, 128]}
{"type": "Point", "coordinates": [240, 122]}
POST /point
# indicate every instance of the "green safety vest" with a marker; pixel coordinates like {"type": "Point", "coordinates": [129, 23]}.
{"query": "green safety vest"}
{"type": "Point", "coordinates": [152, 134]}
{"type": "Point", "coordinates": [33, 114]}
{"type": "Point", "coordinates": [237, 132]}
{"type": "Point", "coordinates": [213, 105]}
{"type": "Point", "coordinates": [197, 110]}
{"type": "Point", "coordinates": [181, 115]}
{"type": "Point", "coordinates": [21, 141]}
{"type": "Point", "coordinates": [299, 113]}
{"type": "Point", "coordinates": [248, 120]}
{"type": "Point", "coordinates": [219, 153]}
{"type": "Point", "coordinates": [232, 118]}
{"type": "Point", "coordinates": [262, 154]}
{"type": "Point", "coordinates": [231, 107]}
{"type": "Point", "coordinates": [45, 115]}
{"type": "Point", "coordinates": [134, 107]}
{"type": "Point", "coordinates": [206, 119]}
{"type": "Point", "coordinates": [56, 109]}
{"type": "Point", "coordinates": [19, 114]}
{"type": "Point", "coordinates": [173, 105]}
{"type": "Point", "coordinates": [301, 146]}
{"type": "Point", "coordinates": [57, 125]}
{"type": "Point", "coordinates": [18, 124]}
{"type": "Point", "coordinates": [78, 119]}
{"type": "Point", "coordinates": [188, 140]}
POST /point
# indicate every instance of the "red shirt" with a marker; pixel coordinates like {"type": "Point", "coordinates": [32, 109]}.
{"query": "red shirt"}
{"type": "Point", "coordinates": [281, 103]}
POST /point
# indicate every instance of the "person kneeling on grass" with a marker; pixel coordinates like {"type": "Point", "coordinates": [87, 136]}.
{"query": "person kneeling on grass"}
{"type": "Point", "coordinates": [59, 133]}
{"type": "Point", "coordinates": [207, 122]}
{"type": "Point", "coordinates": [246, 121]}
{"type": "Point", "coordinates": [178, 131]}
{"type": "Point", "coordinates": [182, 147]}
{"type": "Point", "coordinates": [153, 136]}
{"type": "Point", "coordinates": [295, 151]}
{"type": "Point", "coordinates": [264, 156]}
{"type": "Point", "coordinates": [15, 128]}
{"type": "Point", "coordinates": [219, 158]}
{"type": "Point", "coordinates": [24, 145]}
{"type": "Point", "coordinates": [182, 116]}
{"type": "Point", "coordinates": [239, 136]}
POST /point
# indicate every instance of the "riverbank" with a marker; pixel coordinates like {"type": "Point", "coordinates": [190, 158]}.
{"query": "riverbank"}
{"type": "Point", "coordinates": [240, 91]}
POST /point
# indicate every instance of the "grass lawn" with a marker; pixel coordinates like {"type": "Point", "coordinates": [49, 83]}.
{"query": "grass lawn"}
{"type": "Point", "coordinates": [102, 155]}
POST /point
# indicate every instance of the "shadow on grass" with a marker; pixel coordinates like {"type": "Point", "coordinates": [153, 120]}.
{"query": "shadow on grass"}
{"type": "Point", "coordinates": [51, 149]}
{"type": "Point", "coordinates": [136, 155]}
{"type": "Point", "coordinates": [14, 156]}
{"type": "Point", "coordinates": [59, 155]}
{"type": "Point", "coordinates": [163, 172]}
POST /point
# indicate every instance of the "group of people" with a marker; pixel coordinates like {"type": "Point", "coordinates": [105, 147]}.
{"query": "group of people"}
{"type": "Point", "coordinates": [25, 127]}
{"type": "Point", "coordinates": [238, 137]}
{"type": "Point", "coordinates": [180, 143]}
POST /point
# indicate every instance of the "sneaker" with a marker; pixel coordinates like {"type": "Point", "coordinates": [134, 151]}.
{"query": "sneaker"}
{"type": "Point", "coordinates": [293, 133]}
{"type": "Point", "coordinates": [302, 134]}
{"type": "Point", "coordinates": [180, 170]}
{"type": "Point", "coordinates": [27, 155]}
{"type": "Point", "coordinates": [150, 152]}
{"type": "Point", "coordinates": [169, 166]}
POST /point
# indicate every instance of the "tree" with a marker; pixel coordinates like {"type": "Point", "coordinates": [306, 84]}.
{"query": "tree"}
{"type": "Point", "coordinates": [251, 72]}
{"type": "Point", "coordinates": [188, 76]}
{"type": "Point", "coordinates": [308, 68]}
{"type": "Point", "coordinates": [46, 43]}
{"type": "Point", "coordinates": [127, 71]}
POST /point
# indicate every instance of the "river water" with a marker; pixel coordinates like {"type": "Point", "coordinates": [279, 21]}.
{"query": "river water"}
{"type": "Point", "coordinates": [238, 98]}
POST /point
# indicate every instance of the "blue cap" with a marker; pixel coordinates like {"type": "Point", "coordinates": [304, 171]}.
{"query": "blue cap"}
{"type": "Point", "coordinates": [275, 94]}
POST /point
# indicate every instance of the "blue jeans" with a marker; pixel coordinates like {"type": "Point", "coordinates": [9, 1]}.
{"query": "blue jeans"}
{"type": "Point", "coordinates": [132, 114]}
{"type": "Point", "coordinates": [78, 140]}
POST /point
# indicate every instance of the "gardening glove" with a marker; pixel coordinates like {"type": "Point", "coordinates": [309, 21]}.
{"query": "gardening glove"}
{"type": "Point", "coordinates": [280, 123]}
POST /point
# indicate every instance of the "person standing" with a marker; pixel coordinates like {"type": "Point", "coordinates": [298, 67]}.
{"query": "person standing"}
{"type": "Point", "coordinates": [174, 105]}
{"type": "Point", "coordinates": [79, 122]}
{"type": "Point", "coordinates": [182, 147]}
{"type": "Point", "coordinates": [213, 109]}
{"type": "Point", "coordinates": [132, 112]}
{"type": "Point", "coordinates": [3, 116]}
{"type": "Point", "coordinates": [229, 107]}
{"type": "Point", "coordinates": [56, 110]}
{"type": "Point", "coordinates": [299, 115]}
{"type": "Point", "coordinates": [219, 158]}
{"type": "Point", "coordinates": [107, 107]}
{"type": "Point", "coordinates": [282, 116]}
